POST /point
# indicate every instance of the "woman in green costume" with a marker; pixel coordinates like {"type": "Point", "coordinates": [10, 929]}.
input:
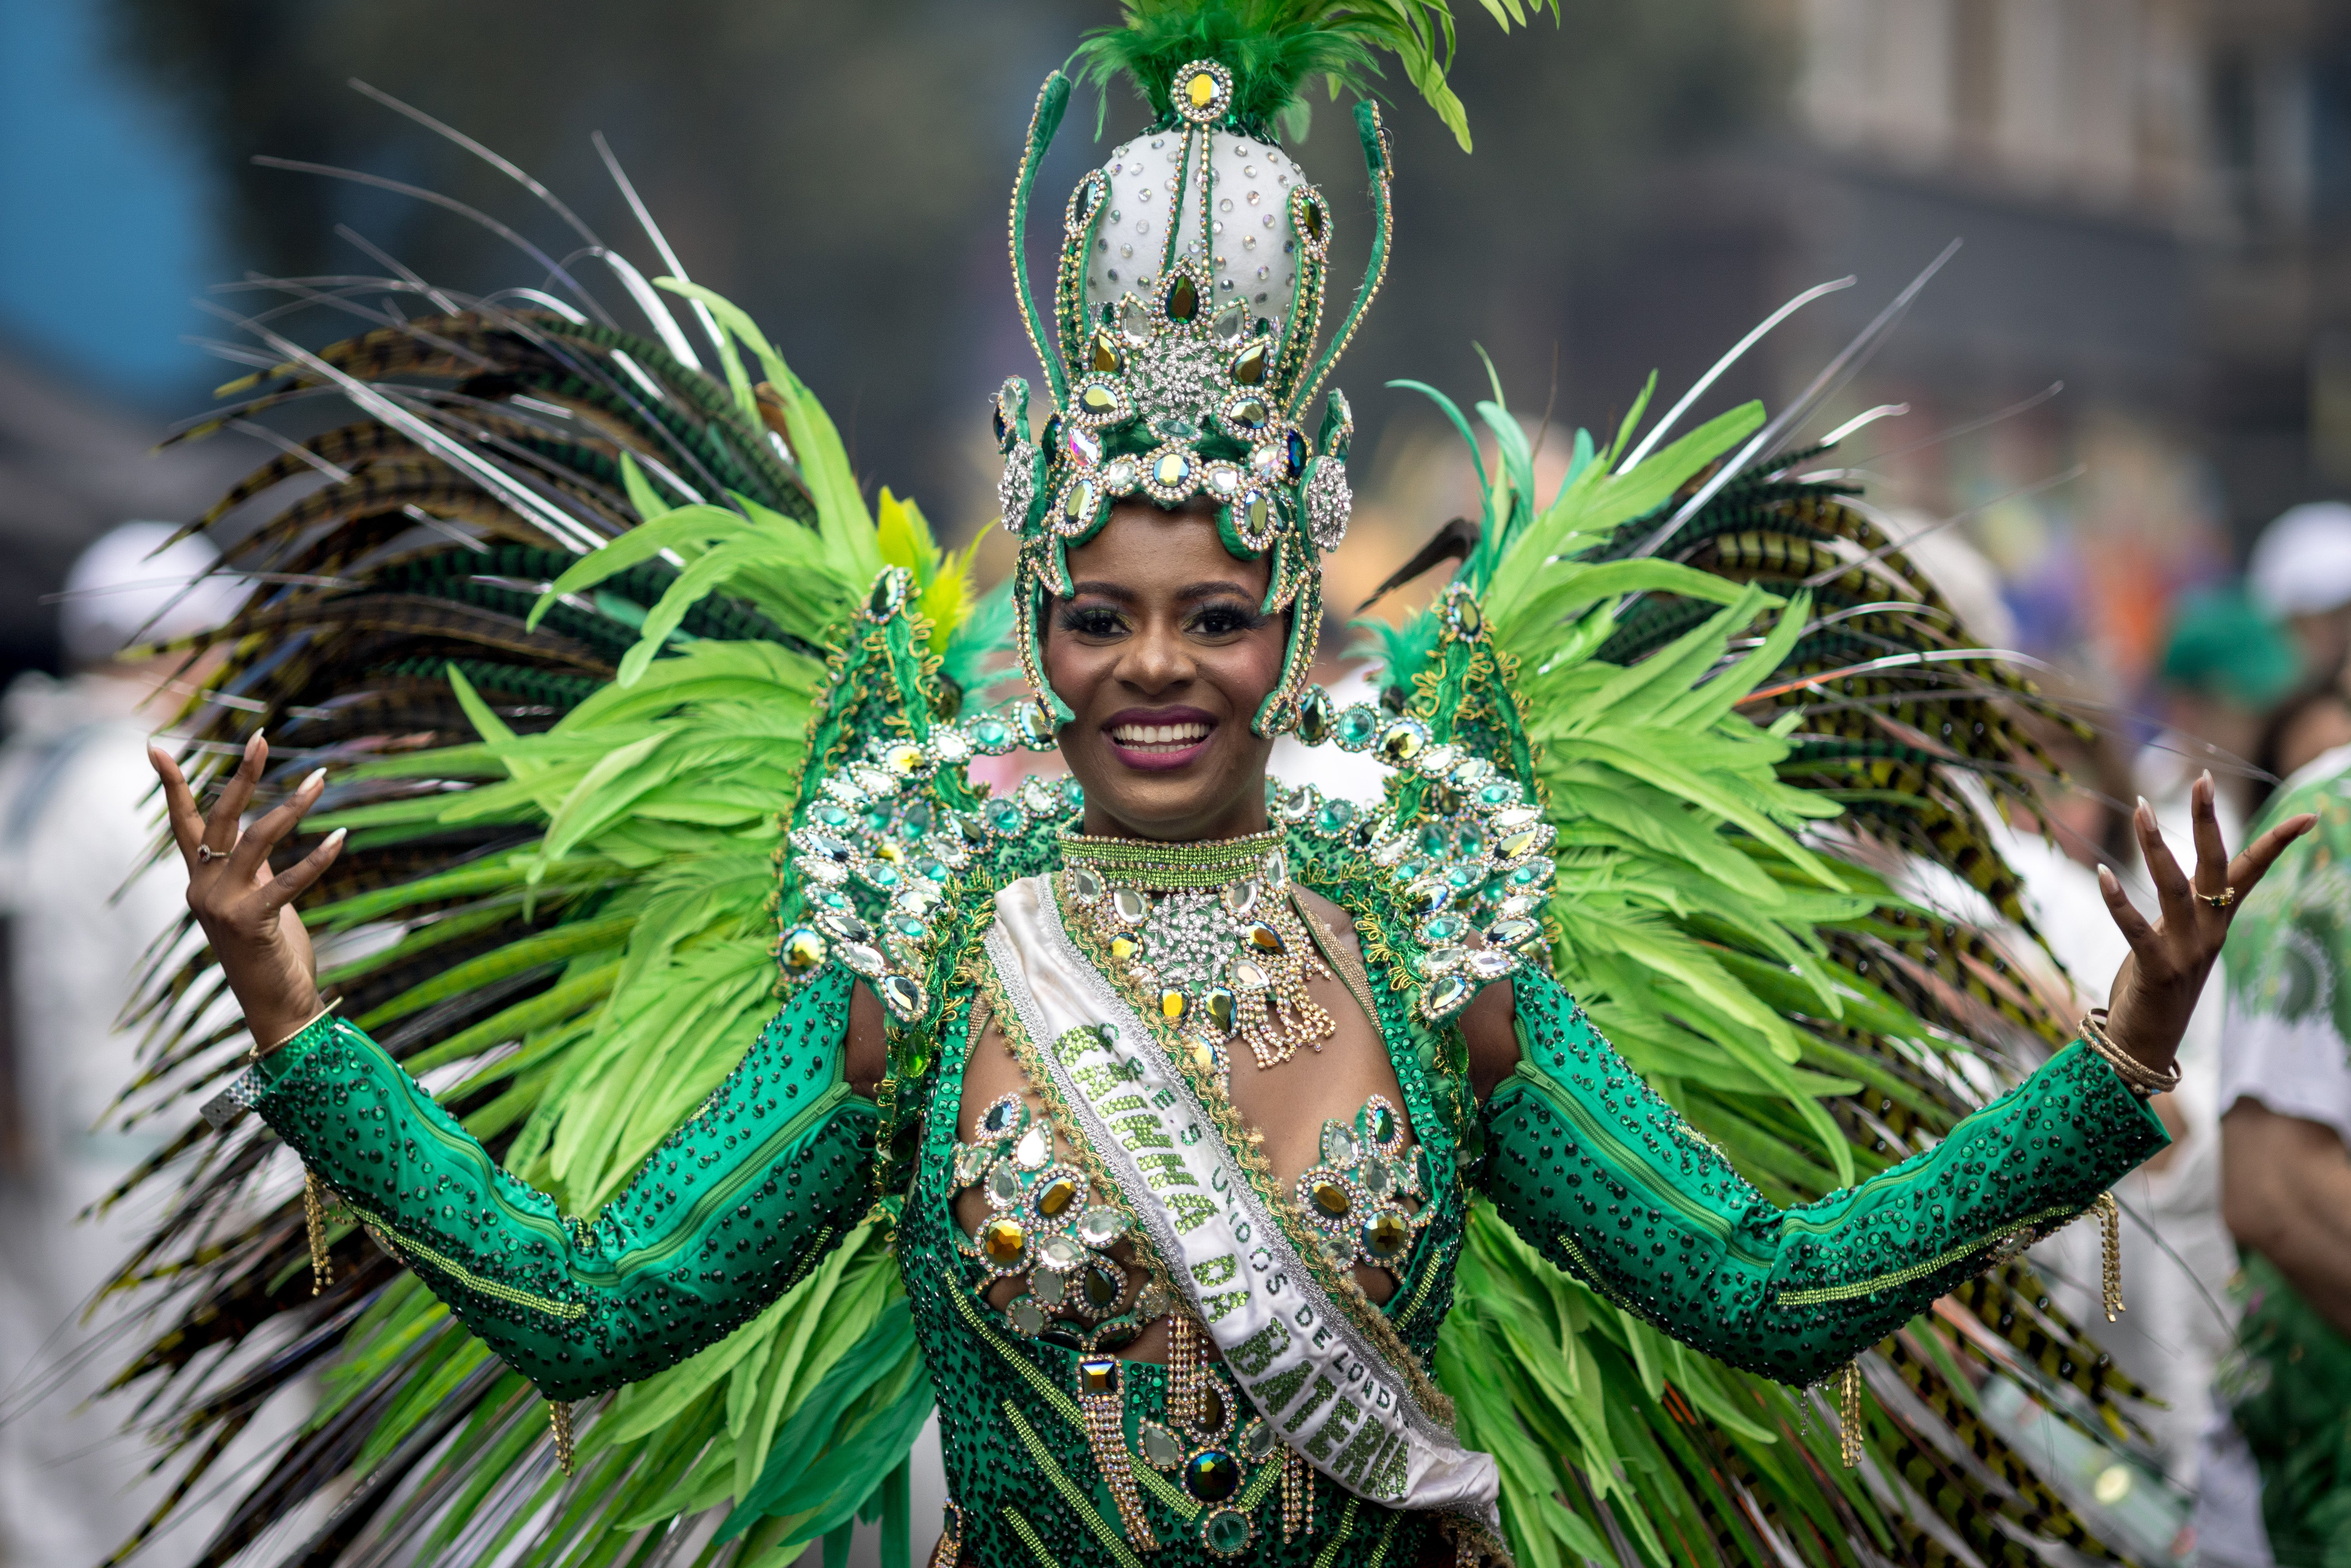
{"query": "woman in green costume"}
{"type": "Point", "coordinates": [1178, 1086]}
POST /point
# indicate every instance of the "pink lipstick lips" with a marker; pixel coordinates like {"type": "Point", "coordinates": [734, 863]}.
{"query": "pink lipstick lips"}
{"type": "Point", "coordinates": [1158, 739]}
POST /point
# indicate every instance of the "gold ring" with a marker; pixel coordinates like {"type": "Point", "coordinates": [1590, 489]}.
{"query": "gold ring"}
{"type": "Point", "coordinates": [2221, 900]}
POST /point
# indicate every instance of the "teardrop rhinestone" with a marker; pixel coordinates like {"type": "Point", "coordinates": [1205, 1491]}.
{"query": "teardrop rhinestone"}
{"type": "Point", "coordinates": [1183, 299]}
{"type": "Point", "coordinates": [1248, 365]}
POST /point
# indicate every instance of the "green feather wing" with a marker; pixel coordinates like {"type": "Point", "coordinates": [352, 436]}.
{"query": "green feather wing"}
{"type": "Point", "coordinates": [556, 614]}
{"type": "Point", "coordinates": [1737, 746]}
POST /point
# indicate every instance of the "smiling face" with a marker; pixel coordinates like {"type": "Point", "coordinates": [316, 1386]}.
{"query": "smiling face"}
{"type": "Point", "coordinates": [1163, 657]}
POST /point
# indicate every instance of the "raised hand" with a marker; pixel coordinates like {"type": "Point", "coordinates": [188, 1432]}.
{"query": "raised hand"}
{"type": "Point", "coordinates": [2156, 988]}
{"type": "Point", "coordinates": [246, 912]}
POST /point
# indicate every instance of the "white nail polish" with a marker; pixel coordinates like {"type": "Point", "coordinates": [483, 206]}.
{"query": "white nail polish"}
{"type": "Point", "coordinates": [317, 774]}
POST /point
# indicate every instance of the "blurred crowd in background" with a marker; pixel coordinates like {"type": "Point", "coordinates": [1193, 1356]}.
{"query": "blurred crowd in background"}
{"type": "Point", "coordinates": [2117, 426]}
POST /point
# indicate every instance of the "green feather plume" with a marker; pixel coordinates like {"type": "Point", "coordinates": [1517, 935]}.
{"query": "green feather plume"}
{"type": "Point", "coordinates": [1273, 47]}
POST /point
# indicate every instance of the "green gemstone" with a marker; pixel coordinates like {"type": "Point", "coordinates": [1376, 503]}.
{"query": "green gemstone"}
{"type": "Point", "coordinates": [1315, 716]}
{"type": "Point", "coordinates": [1098, 401]}
{"type": "Point", "coordinates": [1172, 469]}
{"type": "Point", "coordinates": [1402, 742]}
{"type": "Point", "coordinates": [1227, 1533]}
{"type": "Point", "coordinates": [1334, 817]}
{"type": "Point", "coordinates": [1357, 726]}
{"type": "Point", "coordinates": [1184, 300]}
{"type": "Point", "coordinates": [1248, 365]}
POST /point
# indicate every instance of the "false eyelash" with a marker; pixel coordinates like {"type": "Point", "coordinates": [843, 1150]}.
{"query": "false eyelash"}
{"type": "Point", "coordinates": [1073, 618]}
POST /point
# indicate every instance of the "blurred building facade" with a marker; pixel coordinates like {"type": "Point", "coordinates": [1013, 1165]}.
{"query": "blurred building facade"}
{"type": "Point", "coordinates": [2154, 196]}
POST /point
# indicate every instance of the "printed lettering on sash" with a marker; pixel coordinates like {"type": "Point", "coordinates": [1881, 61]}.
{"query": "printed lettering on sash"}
{"type": "Point", "coordinates": [1319, 1381]}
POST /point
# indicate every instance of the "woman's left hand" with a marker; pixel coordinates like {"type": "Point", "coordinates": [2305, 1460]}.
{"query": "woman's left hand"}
{"type": "Point", "coordinates": [2156, 989]}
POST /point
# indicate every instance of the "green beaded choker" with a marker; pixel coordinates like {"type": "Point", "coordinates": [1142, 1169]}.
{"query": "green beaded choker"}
{"type": "Point", "coordinates": [1157, 866]}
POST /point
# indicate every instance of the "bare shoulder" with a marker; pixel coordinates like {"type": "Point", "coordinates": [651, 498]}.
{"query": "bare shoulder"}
{"type": "Point", "coordinates": [1341, 925]}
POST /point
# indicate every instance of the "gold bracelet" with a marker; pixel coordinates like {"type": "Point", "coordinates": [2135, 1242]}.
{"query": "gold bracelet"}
{"type": "Point", "coordinates": [2139, 1078]}
{"type": "Point", "coordinates": [260, 1050]}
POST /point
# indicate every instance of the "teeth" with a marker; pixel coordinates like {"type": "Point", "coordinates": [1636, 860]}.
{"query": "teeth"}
{"type": "Point", "coordinates": [1174, 737]}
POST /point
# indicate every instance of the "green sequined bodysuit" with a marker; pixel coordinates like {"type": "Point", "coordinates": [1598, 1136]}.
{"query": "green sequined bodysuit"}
{"type": "Point", "coordinates": [1573, 1151]}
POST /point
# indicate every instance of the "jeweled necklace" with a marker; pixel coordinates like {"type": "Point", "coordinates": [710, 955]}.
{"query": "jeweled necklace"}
{"type": "Point", "coordinates": [1208, 934]}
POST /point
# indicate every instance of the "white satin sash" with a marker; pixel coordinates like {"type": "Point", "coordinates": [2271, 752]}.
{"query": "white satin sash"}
{"type": "Point", "coordinates": [1330, 1391]}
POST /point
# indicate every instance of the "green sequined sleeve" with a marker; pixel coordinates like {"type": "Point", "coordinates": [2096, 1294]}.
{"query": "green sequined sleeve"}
{"type": "Point", "coordinates": [1591, 1167]}
{"type": "Point", "coordinates": [730, 1209]}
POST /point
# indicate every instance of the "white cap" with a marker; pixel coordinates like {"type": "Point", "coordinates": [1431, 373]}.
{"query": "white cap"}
{"type": "Point", "coordinates": [1251, 251]}
{"type": "Point", "coordinates": [2301, 563]}
{"type": "Point", "coordinates": [120, 591]}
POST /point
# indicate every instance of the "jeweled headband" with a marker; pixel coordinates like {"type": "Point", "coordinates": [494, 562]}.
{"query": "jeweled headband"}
{"type": "Point", "coordinates": [1188, 303]}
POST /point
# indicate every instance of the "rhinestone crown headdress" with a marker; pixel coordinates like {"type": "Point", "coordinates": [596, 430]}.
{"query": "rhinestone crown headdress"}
{"type": "Point", "coordinates": [1187, 306]}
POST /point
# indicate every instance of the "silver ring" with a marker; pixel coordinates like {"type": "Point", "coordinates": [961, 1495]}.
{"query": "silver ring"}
{"type": "Point", "coordinates": [205, 853]}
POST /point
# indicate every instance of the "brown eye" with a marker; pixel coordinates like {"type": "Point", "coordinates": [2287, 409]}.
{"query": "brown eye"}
{"type": "Point", "coordinates": [1225, 621]}
{"type": "Point", "coordinates": [1090, 620]}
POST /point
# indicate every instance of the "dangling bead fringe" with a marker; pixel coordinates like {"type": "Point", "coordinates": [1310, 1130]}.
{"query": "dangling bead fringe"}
{"type": "Point", "coordinates": [1297, 1495]}
{"type": "Point", "coordinates": [1184, 1354]}
{"type": "Point", "coordinates": [559, 1421]}
{"type": "Point", "coordinates": [1105, 1419]}
{"type": "Point", "coordinates": [1849, 1414]}
{"type": "Point", "coordinates": [314, 1221]}
{"type": "Point", "coordinates": [2110, 1222]}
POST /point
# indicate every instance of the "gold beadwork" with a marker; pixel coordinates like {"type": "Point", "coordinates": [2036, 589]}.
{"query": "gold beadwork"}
{"type": "Point", "coordinates": [314, 1224]}
{"type": "Point", "coordinates": [1849, 1414]}
{"type": "Point", "coordinates": [1102, 1403]}
{"type": "Point", "coordinates": [1157, 866]}
{"type": "Point", "coordinates": [559, 1421]}
{"type": "Point", "coordinates": [2110, 1225]}
{"type": "Point", "coordinates": [1297, 1494]}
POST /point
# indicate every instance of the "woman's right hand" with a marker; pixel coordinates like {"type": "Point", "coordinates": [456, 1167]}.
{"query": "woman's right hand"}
{"type": "Point", "coordinates": [246, 912]}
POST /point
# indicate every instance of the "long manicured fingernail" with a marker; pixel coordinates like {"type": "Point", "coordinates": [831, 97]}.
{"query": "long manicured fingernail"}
{"type": "Point", "coordinates": [2107, 879]}
{"type": "Point", "coordinates": [2145, 811]}
{"type": "Point", "coordinates": [318, 775]}
{"type": "Point", "coordinates": [335, 839]}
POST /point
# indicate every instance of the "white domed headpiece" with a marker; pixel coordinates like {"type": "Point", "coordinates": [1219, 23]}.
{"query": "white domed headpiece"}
{"type": "Point", "coordinates": [1187, 312]}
